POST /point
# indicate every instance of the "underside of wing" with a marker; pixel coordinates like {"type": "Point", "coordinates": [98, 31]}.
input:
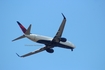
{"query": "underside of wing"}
{"type": "Point", "coordinates": [34, 52]}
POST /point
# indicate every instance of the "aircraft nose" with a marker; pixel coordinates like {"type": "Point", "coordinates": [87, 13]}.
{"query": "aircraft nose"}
{"type": "Point", "coordinates": [73, 46]}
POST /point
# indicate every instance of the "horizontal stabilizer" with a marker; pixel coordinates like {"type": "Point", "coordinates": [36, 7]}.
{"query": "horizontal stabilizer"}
{"type": "Point", "coordinates": [23, 36]}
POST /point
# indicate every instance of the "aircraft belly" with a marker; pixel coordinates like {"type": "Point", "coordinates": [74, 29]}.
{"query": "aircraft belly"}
{"type": "Point", "coordinates": [47, 42]}
{"type": "Point", "coordinates": [43, 39]}
{"type": "Point", "coordinates": [66, 45]}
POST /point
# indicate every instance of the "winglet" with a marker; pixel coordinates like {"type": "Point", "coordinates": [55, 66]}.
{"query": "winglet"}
{"type": "Point", "coordinates": [18, 55]}
{"type": "Point", "coordinates": [63, 16]}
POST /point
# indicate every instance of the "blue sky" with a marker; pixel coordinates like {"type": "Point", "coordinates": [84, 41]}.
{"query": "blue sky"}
{"type": "Point", "coordinates": [84, 28]}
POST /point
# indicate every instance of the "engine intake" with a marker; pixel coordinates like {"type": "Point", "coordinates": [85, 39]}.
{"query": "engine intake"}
{"type": "Point", "coordinates": [50, 50]}
{"type": "Point", "coordinates": [63, 39]}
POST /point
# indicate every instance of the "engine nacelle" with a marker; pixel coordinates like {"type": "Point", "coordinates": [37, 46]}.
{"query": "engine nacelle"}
{"type": "Point", "coordinates": [63, 39]}
{"type": "Point", "coordinates": [49, 50]}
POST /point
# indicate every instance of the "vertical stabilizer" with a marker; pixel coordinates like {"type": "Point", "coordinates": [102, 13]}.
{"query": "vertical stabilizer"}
{"type": "Point", "coordinates": [22, 27]}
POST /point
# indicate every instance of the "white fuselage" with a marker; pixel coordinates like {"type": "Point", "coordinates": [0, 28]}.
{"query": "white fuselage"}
{"type": "Point", "coordinates": [40, 38]}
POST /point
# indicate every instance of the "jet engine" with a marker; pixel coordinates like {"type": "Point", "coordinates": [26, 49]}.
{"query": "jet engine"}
{"type": "Point", "coordinates": [49, 50]}
{"type": "Point", "coordinates": [63, 39]}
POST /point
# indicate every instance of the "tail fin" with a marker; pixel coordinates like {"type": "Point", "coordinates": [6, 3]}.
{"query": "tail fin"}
{"type": "Point", "coordinates": [22, 27]}
{"type": "Point", "coordinates": [24, 31]}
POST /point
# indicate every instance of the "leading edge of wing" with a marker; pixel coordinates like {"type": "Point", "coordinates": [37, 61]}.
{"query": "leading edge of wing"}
{"type": "Point", "coordinates": [34, 52]}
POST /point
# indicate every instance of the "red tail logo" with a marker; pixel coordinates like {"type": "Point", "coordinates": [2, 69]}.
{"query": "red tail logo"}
{"type": "Point", "coordinates": [22, 27]}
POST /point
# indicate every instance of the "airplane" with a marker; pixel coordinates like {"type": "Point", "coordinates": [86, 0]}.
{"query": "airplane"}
{"type": "Point", "coordinates": [50, 43]}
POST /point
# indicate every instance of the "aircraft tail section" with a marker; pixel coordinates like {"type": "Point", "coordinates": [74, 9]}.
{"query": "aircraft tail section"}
{"type": "Point", "coordinates": [22, 27]}
{"type": "Point", "coordinates": [20, 37]}
{"type": "Point", "coordinates": [28, 30]}
{"type": "Point", "coordinates": [25, 31]}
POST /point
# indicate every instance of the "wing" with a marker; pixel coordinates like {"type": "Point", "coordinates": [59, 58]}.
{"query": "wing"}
{"type": "Point", "coordinates": [60, 30]}
{"type": "Point", "coordinates": [34, 52]}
